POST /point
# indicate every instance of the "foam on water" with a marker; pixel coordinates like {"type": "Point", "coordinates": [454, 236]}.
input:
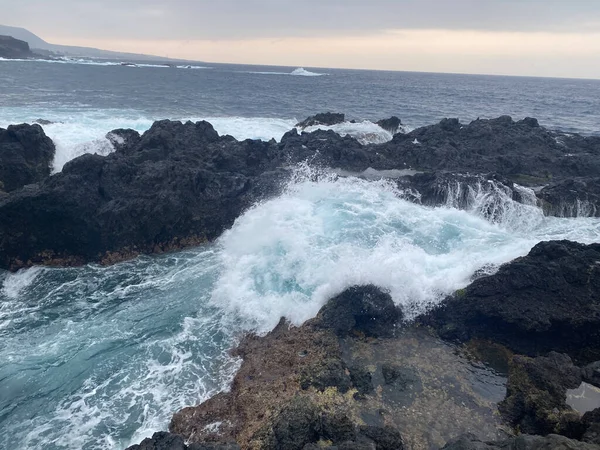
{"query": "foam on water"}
{"type": "Point", "coordinates": [299, 72]}
{"type": "Point", "coordinates": [98, 358]}
{"type": "Point", "coordinates": [78, 132]}
{"type": "Point", "coordinates": [365, 132]}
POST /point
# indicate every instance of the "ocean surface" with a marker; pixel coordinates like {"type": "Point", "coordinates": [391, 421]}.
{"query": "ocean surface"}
{"type": "Point", "coordinates": [100, 357]}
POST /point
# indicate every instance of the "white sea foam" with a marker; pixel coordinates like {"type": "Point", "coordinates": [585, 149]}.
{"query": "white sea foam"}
{"type": "Point", "coordinates": [299, 72]}
{"type": "Point", "coordinates": [365, 132]}
{"type": "Point", "coordinates": [287, 256]}
{"type": "Point", "coordinates": [113, 352]}
{"type": "Point", "coordinates": [78, 132]}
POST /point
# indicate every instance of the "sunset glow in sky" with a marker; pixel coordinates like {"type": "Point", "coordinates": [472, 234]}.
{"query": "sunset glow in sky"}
{"type": "Point", "coordinates": [512, 37]}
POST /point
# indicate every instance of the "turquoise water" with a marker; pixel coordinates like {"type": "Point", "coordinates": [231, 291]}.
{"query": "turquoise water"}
{"type": "Point", "coordinates": [100, 357]}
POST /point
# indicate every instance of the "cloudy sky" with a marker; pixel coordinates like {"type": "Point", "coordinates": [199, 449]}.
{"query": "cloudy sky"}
{"type": "Point", "coordinates": [521, 37]}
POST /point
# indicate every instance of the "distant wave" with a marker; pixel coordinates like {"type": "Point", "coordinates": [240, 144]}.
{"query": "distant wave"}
{"type": "Point", "coordinates": [193, 67]}
{"type": "Point", "coordinates": [299, 72]}
{"type": "Point", "coordinates": [92, 62]}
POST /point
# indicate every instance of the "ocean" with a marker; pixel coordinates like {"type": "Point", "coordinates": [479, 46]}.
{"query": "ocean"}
{"type": "Point", "coordinates": [101, 357]}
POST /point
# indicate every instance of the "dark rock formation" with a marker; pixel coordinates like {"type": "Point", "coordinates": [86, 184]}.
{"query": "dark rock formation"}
{"type": "Point", "coordinates": [168, 441]}
{"type": "Point", "coordinates": [522, 151]}
{"type": "Point", "coordinates": [364, 309]}
{"type": "Point", "coordinates": [43, 122]}
{"type": "Point", "coordinates": [523, 442]}
{"type": "Point", "coordinates": [289, 391]}
{"type": "Point", "coordinates": [26, 154]}
{"type": "Point", "coordinates": [572, 198]}
{"type": "Point", "coordinates": [591, 373]}
{"type": "Point", "coordinates": [547, 300]}
{"type": "Point", "coordinates": [392, 124]}
{"type": "Point", "coordinates": [123, 139]}
{"type": "Point", "coordinates": [181, 184]}
{"type": "Point", "coordinates": [536, 396]}
{"type": "Point", "coordinates": [327, 118]}
{"type": "Point", "coordinates": [12, 48]}
{"type": "Point", "coordinates": [308, 386]}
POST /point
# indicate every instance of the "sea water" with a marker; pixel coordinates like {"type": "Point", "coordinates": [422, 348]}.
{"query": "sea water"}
{"type": "Point", "coordinates": [100, 357]}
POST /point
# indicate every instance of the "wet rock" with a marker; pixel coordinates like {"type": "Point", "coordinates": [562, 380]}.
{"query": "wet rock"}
{"type": "Point", "coordinates": [362, 380]}
{"type": "Point", "coordinates": [295, 426]}
{"type": "Point", "coordinates": [182, 184]}
{"type": "Point", "coordinates": [212, 446]}
{"type": "Point", "coordinates": [591, 373]}
{"type": "Point", "coordinates": [401, 377]}
{"type": "Point", "coordinates": [572, 198]}
{"type": "Point", "coordinates": [327, 119]}
{"type": "Point", "coordinates": [161, 441]}
{"type": "Point", "coordinates": [179, 185]}
{"type": "Point", "coordinates": [123, 140]}
{"type": "Point", "coordinates": [328, 373]}
{"type": "Point", "coordinates": [26, 154]}
{"type": "Point", "coordinates": [547, 300]}
{"type": "Point", "coordinates": [327, 149]}
{"type": "Point", "coordinates": [525, 153]}
{"type": "Point", "coordinates": [363, 309]}
{"type": "Point", "coordinates": [391, 125]}
{"type": "Point", "coordinates": [43, 122]}
{"type": "Point", "coordinates": [536, 396]}
{"type": "Point", "coordinates": [385, 438]}
{"type": "Point", "coordinates": [592, 421]}
{"type": "Point", "coordinates": [523, 442]}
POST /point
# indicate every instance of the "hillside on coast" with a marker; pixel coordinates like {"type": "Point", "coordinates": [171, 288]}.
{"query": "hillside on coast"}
{"type": "Point", "coordinates": [41, 47]}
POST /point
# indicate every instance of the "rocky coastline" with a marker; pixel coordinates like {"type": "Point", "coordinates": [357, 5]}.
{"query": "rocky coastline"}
{"type": "Point", "coordinates": [495, 366]}
{"type": "Point", "coordinates": [179, 184]}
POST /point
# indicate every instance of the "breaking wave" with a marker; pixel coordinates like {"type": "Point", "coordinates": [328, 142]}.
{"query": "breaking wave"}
{"type": "Point", "coordinates": [105, 355]}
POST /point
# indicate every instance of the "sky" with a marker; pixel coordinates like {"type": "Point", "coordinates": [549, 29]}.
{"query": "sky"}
{"type": "Point", "coordinates": [508, 37]}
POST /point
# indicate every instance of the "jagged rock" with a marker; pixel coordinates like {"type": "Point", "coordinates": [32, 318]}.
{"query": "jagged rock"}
{"type": "Point", "coordinates": [528, 154]}
{"type": "Point", "coordinates": [26, 154]}
{"type": "Point", "coordinates": [295, 426]}
{"type": "Point", "coordinates": [161, 441]}
{"type": "Point", "coordinates": [591, 373]}
{"type": "Point", "coordinates": [572, 198]}
{"type": "Point", "coordinates": [123, 139]}
{"type": "Point", "coordinates": [328, 373]}
{"type": "Point", "coordinates": [536, 396]}
{"type": "Point", "coordinates": [12, 48]}
{"type": "Point", "coordinates": [362, 380]}
{"type": "Point", "coordinates": [391, 125]}
{"type": "Point", "coordinates": [364, 309]}
{"type": "Point", "coordinates": [523, 442]}
{"type": "Point", "coordinates": [327, 119]}
{"type": "Point", "coordinates": [283, 395]}
{"type": "Point", "coordinates": [547, 300]}
{"type": "Point", "coordinates": [179, 185]}
{"type": "Point", "coordinates": [168, 441]}
{"type": "Point", "coordinates": [592, 421]}
{"type": "Point", "coordinates": [43, 122]}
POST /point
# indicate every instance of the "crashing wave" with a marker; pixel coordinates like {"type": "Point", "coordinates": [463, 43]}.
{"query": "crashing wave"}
{"type": "Point", "coordinates": [301, 72]}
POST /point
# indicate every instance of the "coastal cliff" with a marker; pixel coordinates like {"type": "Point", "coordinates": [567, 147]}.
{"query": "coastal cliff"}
{"type": "Point", "coordinates": [11, 48]}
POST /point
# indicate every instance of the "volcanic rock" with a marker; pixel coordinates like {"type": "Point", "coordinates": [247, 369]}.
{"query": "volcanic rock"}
{"type": "Point", "coordinates": [391, 125]}
{"type": "Point", "coordinates": [26, 154]}
{"type": "Point", "coordinates": [522, 442]}
{"type": "Point", "coordinates": [536, 396]}
{"type": "Point", "coordinates": [546, 301]}
{"type": "Point", "coordinates": [327, 119]}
